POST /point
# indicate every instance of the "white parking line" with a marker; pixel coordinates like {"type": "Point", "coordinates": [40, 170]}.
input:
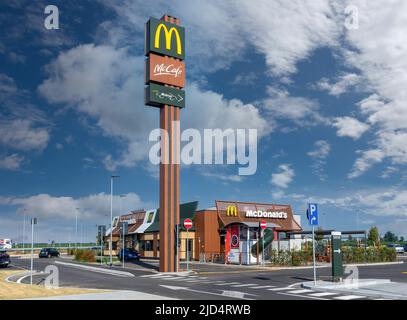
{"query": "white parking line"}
{"type": "Point", "coordinates": [244, 285]}
{"type": "Point", "coordinates": [261, 287]}
{"type": "Point", "coordinates": [281, 289]}
{"type": "Point", "coordinates": [349, 297]}
{"type": "Point", "coordinates": [301, 291]}
{"type": "Point", "coordinates": [227, 283]}
{"type": "Point", "coordinates": [323, 294]}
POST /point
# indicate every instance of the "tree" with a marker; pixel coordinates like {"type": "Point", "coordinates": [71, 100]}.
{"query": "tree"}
{"type": "Point", "coordinates": [318, 234]}
{"type": "Point", "coordinates": [401, 239]}
{"type": "Point", "coordinates": [390, 237]}
{"type": "Point", "coordinates": [373, 236]}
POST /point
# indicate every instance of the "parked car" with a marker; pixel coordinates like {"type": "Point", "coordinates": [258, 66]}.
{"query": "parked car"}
{"type": "Point", "coordinates": [129, 254]}
{"type": "Point", "coordinates": [48, 253]}
{"type": "Point", "coordinates": [399, 248]}
{"type": "Point", "coordinates": [6, 244]}
{"type": "Point", "coordinates": [4, 259]}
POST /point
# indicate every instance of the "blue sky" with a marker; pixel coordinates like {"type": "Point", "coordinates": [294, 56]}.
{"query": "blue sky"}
{"type": "Point", "coordinates": [329, 104]}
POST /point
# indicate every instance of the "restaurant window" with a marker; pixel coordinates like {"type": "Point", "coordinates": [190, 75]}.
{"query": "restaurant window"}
{"type": "Point", "coordinates": [150, 217]}
{"type": "Point", "coordinates": [146, 245]}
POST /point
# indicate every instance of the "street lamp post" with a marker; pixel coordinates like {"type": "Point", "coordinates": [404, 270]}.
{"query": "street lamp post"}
{"type": "Point", "coordinates": [76, 229]}
{"type": "Point", "coordinates": [24, 231]}
{"type": "Point", "coordinates": [33, 221]}
{"type": "Point", "coordinates": [111, 217]}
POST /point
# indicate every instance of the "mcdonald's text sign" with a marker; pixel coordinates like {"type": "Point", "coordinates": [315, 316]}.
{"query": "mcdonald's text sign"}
{"type": "Point", "coordinates": [165, 38]}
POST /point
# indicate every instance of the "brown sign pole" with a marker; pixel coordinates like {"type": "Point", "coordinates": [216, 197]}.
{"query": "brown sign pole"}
{"type": "Point", "coordinates": [162, 35]}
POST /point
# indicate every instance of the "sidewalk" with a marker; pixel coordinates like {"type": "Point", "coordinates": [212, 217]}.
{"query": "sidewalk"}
{"type": "Point", "coordinates": [111, 295]}
{"type": "Point", "coordinates": [378, 288]}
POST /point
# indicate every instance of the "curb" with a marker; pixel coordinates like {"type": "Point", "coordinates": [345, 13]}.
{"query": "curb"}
{"type": "Point", "coordinates": [96, 269]}
{"type": "Point", "coordinates": [373, 264]}
{"type": "Point", "coordinates": [340, 289]}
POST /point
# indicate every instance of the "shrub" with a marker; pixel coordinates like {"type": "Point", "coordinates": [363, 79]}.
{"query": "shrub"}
{"type": "Point", "coordinates": [85, 255]}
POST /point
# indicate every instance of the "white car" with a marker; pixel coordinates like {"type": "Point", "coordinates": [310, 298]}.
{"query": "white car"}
{"type": "Point", "coordinates": [6, 244]}
{"type": "Point", "coordinates": [399, 249]}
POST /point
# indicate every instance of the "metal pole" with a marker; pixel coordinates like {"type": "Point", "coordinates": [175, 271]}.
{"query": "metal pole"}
{"type": "Point", "coordinates": [76, 229]}
{"type": "Point", "coordinates": [123, 244]}
{"type": "Point", "coordinates": [262, 251]}
{"type": "Point", "coordinates": [313, 255]}
{"type": "Point", "coordinates": [187, 246]}
{"type": "Point", "coordinates": [32, 251]}
{"type": "Point", "coordinates": [24, 233]}
{"type": "Point", "coordinates": [111, 218]}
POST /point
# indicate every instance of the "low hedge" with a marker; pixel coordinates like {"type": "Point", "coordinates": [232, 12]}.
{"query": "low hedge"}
{"type": "Point", "coordinates": [370, 254]}
{"type": "Point", "coordinates": [349, 255]}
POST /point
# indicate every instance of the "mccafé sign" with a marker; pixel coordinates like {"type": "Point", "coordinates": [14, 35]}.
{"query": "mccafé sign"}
{"type": "Point", "coordinates": [165, 70]}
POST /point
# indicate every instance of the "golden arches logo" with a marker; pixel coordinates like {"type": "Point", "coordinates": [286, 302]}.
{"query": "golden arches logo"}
{"type": "Point", "coordinates": [168, 37]}
{"type": "Point", "coordinates": [231, 211]}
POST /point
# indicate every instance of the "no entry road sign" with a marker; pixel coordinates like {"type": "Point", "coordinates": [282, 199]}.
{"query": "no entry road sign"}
{"type": "Point", "coordinates": [263, 224]}
{"type": "Point", "coordinates": [188, 224]}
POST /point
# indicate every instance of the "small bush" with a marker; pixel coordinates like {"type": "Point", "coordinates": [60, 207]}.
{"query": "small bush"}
{"type": "Point", "coordinates": [85, 255]}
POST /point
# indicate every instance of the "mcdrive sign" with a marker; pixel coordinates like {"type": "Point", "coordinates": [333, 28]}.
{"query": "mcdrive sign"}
{"type": "Point", "coordinates": [165, 48]}
{"type": "Point", "coordinates": [157, 96]}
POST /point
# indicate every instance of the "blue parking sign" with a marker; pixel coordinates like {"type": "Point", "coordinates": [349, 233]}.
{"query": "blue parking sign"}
{"type": "Point", "coordinates": [312, 214]}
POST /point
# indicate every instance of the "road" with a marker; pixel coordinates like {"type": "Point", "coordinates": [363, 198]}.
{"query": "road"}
{"type": "Point", "coordinates": [218, 282]}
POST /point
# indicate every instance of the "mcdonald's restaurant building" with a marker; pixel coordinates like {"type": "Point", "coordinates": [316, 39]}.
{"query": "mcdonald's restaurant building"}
{"type": "Point", "coordinates": [228, 233]}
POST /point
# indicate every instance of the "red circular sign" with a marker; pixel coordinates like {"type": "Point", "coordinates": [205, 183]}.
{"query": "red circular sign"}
{"type": "Point", "coordinates": [188, 223]}
{"type": "Point", "coordinates": [263, 224]}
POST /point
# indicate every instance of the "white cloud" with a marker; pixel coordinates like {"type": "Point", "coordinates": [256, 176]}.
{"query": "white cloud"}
{"type": "Point", "coordinates": [45, 206]}
{"type": "Point", "coordinates": [343, 83]}
{"type": "Point", "coordinates": [23, 135]}
{"type": "Point", "coordinates": [107, 85]}
{"type": "Point", "coordinates": [302, 111]}
{"type": "Point", "coordinates": [7, 86]}
{"type": "Point", "coordinates": [318, 156]}
{"type": "Point", "coordinates": [263, 26]}
{"type": "Point", "coordinates": [349, 127]}
{"type": "Point", "coordinates": [365, 162]}
{"type": "Point", "coordinates": [11, 162]}
{"type": "Point", "coordinates": [321, 151]}
{"type": "Point", "coordinates": [283, 177]}
{"type": "Point", "coordinates": [379, 48]}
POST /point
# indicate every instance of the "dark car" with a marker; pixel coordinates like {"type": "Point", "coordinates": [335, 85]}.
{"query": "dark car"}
{"type": "Point", "coordinates": [4, 259]}
{"type": "Point", "coordinates": [129, 254]}
{"type": "Point", "coordinates": [48, 253]}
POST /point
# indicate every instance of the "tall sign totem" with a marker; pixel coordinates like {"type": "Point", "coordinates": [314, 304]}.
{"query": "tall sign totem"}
{"type": "Point", "coordinates": [165, 78]}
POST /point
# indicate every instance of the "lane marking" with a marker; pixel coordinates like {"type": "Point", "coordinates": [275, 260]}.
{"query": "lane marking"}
{"type": "Point", "coordinates": [302, 291]}
{"type": "Point", "coordinates": [96, 269]}
{"type": "Point", "coordinates": [226, 284]}
{"type": "Point", "coordinates": [349, 297]}
{"type": "Point", "coordinates": [300, 296]}
{"type": "Point", "coordinates": [323, 294]}
{"type": "Point", "coordinates": [261, 287]}
{"type": "Point", "coordinates": [281, 289]}
{"type": "Point", "coordinates": [244, 285]}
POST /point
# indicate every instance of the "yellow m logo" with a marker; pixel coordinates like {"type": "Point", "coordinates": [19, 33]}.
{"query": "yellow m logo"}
{"type": "Point", "coordinates": [168, 37]}
{"type": "Point", "coordinates": [231, 211]}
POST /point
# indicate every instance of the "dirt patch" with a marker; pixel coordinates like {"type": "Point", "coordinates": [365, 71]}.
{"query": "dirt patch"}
{"type": "Point", "coordinates": [11, 291]}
